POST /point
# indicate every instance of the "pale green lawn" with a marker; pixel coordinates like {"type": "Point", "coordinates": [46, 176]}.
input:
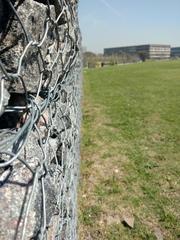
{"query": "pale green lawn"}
{"type": "Point", "coordinates": [131, 152]}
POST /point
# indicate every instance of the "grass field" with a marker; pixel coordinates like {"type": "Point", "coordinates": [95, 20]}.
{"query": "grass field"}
{"type": "Point", "coordinates": [130, 149]}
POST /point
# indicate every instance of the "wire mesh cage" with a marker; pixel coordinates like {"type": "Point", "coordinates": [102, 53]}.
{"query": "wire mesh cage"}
{"type": "Point", "coordinates": [40, 92]}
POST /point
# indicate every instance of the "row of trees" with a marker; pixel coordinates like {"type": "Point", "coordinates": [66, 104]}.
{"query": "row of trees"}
{"type": "Point", "coordinates": [91, 59]}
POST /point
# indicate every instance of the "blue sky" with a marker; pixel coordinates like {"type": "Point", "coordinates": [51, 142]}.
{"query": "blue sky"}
{"type": "Point", "coordinates": [112, 23]}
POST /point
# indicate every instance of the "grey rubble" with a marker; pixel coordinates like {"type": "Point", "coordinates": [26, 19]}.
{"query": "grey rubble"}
{"type": "Point", "coordinates": [32, 14]}
{"type": "Point", "coordinates": [61, 178]}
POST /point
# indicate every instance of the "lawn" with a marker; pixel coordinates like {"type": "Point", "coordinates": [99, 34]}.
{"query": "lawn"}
{"type": "Point", "coordinates": [130, 153]}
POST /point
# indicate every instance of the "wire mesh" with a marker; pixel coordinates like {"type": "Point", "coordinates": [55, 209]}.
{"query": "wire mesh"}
{"type": "Point", "coordinates": [40, 91]}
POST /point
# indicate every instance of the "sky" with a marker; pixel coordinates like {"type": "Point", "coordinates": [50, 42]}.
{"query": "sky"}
{"type": "Point", "coordinates": [115, 23]}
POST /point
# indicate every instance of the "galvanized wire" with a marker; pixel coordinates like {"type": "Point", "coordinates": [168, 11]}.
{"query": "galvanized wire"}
{"type": "Point", "coordinates": [51, 122]}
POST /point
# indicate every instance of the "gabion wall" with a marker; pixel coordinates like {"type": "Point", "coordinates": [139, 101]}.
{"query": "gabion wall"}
{"type": "Point", "coordinates": [40, 90]}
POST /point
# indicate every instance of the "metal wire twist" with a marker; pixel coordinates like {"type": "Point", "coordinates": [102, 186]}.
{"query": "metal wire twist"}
{"type": "Point", "coordinates": [43, 149]}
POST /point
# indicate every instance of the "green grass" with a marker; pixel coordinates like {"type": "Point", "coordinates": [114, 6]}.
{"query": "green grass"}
{"type": "Point", "coordinates": [89, 214]}
{"type": "Point", "coordinates": [131, 151]}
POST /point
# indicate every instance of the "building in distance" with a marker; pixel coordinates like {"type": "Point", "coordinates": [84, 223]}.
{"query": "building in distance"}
{"type": "Point", "coordinates": [148, 51]}
{"type": "Point", "coordinates": [175, 52]}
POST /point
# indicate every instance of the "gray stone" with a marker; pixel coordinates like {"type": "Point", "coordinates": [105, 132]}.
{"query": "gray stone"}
{"type": "Point", "coordinates": [43, 179]}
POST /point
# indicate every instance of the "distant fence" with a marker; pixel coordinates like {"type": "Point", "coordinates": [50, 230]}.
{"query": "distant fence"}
{"type": "Point", "coordinates": [40, 90]}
